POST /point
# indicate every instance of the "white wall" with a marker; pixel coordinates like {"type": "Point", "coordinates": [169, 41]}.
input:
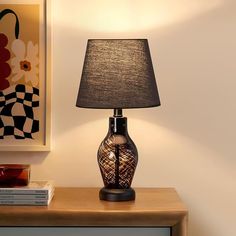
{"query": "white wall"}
{"type": "Point", "coordinates": [187, 143]}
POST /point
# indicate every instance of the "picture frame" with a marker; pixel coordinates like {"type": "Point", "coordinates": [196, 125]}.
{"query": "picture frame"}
{"type": "Point", "coordinates": [25, 75]}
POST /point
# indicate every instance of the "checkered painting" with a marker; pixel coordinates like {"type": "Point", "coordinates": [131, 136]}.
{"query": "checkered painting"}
{"type": "Point", "coordinates": [17, 111]}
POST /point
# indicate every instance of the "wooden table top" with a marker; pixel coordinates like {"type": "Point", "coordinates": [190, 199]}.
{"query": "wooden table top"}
{"type": "Point", "coordinates": [82, 207]}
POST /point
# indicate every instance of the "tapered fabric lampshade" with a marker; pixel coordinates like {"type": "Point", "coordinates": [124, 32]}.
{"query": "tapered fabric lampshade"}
{"type": "Point", "coordinates": [118, 73]}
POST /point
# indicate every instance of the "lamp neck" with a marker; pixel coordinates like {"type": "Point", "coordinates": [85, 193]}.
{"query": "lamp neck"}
{"type": "Point", "coordinates": [118, 125]}
{"type": "Point", "coordinates": [118, 112]}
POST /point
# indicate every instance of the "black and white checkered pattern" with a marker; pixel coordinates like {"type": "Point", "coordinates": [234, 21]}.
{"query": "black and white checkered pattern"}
{"type": "Point", "coordinates": [17, 111]}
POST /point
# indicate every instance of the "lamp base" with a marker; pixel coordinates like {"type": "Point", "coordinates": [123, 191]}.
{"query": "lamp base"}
{"type": "Point", "coordinates": [117, 195]}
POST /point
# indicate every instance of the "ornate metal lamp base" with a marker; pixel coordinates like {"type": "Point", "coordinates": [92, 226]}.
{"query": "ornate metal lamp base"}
{"type": "Point", "coordinates": [117, 195]}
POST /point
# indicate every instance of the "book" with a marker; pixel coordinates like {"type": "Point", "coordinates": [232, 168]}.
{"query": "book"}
{"type": "Point", "coordinates": [34, 187]}
{"type": "Point", "coordinates": [24, 202]}
{"type": "Point", "coordinates": [27, 196]}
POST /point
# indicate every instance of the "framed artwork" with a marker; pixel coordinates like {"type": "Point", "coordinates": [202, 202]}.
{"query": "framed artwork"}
{"type": "Point", "coordinates": [25, 75]}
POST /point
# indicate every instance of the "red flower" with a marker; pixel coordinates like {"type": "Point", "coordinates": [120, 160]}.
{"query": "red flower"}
{"type": "Point", "coordinates": [5, 69]}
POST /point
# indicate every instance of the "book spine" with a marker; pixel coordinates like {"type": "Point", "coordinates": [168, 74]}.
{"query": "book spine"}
{"type": "Point", "coordinates": [24, 197]}
{"type": "Point", "coordinates": [23, 191]}
{"type": "Point", "coordinates": [25, 202]}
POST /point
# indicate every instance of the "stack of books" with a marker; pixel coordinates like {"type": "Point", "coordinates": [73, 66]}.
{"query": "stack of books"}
{"type": "Point", "coordinates": [35, 193]}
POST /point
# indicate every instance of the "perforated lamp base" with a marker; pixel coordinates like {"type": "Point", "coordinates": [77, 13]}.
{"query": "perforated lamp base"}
{"type": "Point", "coordinates": [117, 195]}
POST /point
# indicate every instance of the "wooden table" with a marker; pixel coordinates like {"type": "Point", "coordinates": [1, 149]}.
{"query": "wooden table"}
{"type": "Point", "coordinates": [153, 207]}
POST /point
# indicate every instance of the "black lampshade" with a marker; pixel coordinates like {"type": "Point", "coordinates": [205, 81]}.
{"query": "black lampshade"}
{"type": "Point", "coordinates": [117, 73]}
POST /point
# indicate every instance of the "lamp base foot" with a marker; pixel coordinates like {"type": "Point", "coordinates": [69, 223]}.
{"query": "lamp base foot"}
{"type": "Point", "coordinates": [117, 195]}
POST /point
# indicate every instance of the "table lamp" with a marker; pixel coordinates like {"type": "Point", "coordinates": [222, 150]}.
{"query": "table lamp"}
{"type": "Point", "coordinates": [117, 74]}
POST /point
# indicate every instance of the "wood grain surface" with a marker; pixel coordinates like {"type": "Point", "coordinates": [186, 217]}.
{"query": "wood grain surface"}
{"type": "Point", "coordinates": [153, 207]}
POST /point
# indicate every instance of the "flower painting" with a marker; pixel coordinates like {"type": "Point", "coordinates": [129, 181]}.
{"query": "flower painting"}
{"type": "Point", "coordinates": [22, 74]}
{"type": "Point", "coordinates": [25, 63]}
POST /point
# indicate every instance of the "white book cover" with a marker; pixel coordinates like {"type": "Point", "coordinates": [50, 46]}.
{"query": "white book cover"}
{"type": "Point", "coordinates": [34, 187]}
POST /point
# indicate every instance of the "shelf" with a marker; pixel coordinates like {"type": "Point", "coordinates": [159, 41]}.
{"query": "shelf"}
{"type": "Point", "coordinates": [81, 207]}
